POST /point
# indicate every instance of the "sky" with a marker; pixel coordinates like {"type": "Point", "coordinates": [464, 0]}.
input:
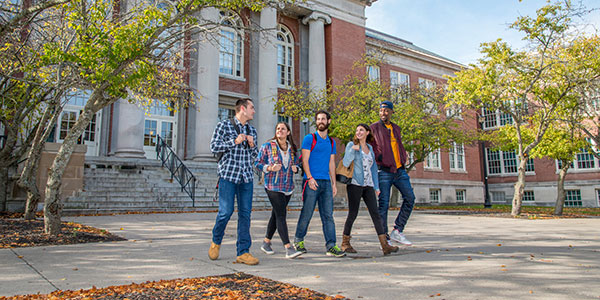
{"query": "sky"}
{"type": "Point", "coordinates": [455, 28]}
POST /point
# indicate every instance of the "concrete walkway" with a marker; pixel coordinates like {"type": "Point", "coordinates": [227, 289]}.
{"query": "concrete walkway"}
{"type": "Point", "coordinates": [458, 257]}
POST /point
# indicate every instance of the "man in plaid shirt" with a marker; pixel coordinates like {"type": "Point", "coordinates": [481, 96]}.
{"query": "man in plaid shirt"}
{"type": "Point", "coordinates": [236, 178]}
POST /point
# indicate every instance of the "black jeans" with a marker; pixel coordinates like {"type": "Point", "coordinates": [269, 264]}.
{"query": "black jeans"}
{"type": "Point", "coordinates": [279, 201]}
{"type": "Point", "coordinates": [356, 192]}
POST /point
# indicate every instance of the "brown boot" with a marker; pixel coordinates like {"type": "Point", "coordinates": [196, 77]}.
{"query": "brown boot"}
{"type": "Point", "coordinates": [213, 251]}
{"type": "Point", "coordinates": [346, 247]}
{"type": "Point", "coordinates": [385, 247]}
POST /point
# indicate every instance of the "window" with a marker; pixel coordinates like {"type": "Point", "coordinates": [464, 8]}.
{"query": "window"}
{"type": "Point", "coordinates": [461, 195]}
{"type": "Point", "coordinates": [433, 160]}
{"type": "Point", "coordinates": [528, 196]}
{"type": "Point", "coordinates": [493, 119]}
{"type": "Point", "coordinates": [494, 163]}
{"type": "Point", "coordinates": [373, 73]}
{"type": "Point", "coordinates": [510, 162]}
{"type": "Point", "coordinates": [585, 160]}
{"type": "Point", "coordinates": [425, 85]}
{"type": "Point", "coordinates": [285, 57]}
{"type": "Point", "coordinates": [457, 157]}
{"type": "Point", "coordinates": [434, 195]}
{"type": "Point", "coordinates": [573, 198]}
{"type": "Point", "coordinates": [150, 127]}
{"type": "Point", "coordinates": [230, 46]}
{"type": "Point", "coordinates": [499, 197]}
{"type": "Point", "coordinates": [505, 162]}
{"type": "Point", "coordinates": [226, 113]}
{"type": "Point", "coordinates": [598, 196]}
{"type": "Point", "coordinates": [454, 111]}
{"type": "Point", "coordinates": [398, 82]}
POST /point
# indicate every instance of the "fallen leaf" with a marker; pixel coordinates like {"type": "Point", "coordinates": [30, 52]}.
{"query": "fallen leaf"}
{"type": "Point", "coordinates": [317, 276]}
{"type": "Point", "coordinates": [428, 251]}
{"type": "Point", "coordinates": [75, 269]}
{"type": "Point", "coordinates": [386, 274]}
{"type": "Point", "coordinates": [502, 266]}
{"type": "Point", "coordinates": [480, 252]}
{"type": "Point", "coordinates": [531, 292]}
{"type": "Point", "coordinates": [469, 258]}
{"type": "Point", "coordinates": [121, 228]}
{"type": "Point", "coordinates": [20, 256]}
{"type": "Point", "coordinates": [191, 258]}
{"type": "Point", "coordinates": [503, 270]}
{"type": "Point", "coordinates": [499, 245]}
{"type": "Point", "coordinates": [438, 294]}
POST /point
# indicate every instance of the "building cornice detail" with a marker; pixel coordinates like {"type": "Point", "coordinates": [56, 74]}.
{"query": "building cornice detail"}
{"type": "Point", "coordinates": [316, 16]}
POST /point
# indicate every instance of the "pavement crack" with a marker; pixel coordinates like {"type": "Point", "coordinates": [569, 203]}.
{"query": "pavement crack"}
{"type": "Point", "coordinates": [33, 268]}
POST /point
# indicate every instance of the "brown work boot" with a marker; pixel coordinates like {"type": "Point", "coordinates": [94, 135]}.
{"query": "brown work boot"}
{"type": "Point", "coordinates": [213, 251]}
{"type": "Point", "coordinates": [248, 259]}
{"type": "Point", "coordinates": [385, 247]}
{"type": "Point", "coordinates": [346, 247]}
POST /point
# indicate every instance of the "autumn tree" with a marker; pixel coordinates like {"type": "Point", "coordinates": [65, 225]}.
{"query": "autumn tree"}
{"type": "Point", "coordinates": [121, 50]}
{"type": "Point", "coordinates": [417, 110]}
{"type": "Point", "coordinates": [530, 85]}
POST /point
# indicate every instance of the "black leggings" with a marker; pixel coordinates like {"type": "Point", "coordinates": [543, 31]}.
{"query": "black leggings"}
{"type": "Point", "coordinates": [279, 201]}
{"type": "Point", "coordinates": [356, 192]}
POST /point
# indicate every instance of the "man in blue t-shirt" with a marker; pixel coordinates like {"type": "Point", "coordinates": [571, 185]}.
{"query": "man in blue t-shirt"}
{"type": "Point", "coordinates": [318, 186]}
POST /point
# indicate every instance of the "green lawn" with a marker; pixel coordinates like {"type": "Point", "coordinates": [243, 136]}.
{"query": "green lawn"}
{"type": "Point", "coordinates": [503, 208]}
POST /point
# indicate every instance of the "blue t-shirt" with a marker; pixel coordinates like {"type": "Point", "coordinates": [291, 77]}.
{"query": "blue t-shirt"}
{"type": "Point", "coordinates": [318, 161]}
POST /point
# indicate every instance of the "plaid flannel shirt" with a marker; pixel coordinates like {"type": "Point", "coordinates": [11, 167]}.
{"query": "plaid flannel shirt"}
{"type": "Point", "coordinates": [282, 181]}
{"type": "Point", "coordinates": [236, 163]}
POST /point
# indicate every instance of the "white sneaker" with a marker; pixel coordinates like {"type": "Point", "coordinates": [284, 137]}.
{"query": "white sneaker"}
{"type": "Point", "coordinates": [399, 237]}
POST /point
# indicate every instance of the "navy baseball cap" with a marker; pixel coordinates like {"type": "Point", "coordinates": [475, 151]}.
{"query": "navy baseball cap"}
{"type": "Point", "coordinates": [387, 104]}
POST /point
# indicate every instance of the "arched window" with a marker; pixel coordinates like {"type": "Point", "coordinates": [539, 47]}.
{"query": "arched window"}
{"type": "Point", "coordinates": [285, 57]}
{"type": "Point", "coordinates": [231, 46]}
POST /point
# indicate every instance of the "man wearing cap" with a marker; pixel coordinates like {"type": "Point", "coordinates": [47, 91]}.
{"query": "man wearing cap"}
{"type": "Point", "coordinates": [391, 159]}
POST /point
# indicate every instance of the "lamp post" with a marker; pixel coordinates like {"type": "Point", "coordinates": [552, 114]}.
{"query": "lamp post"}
{"type": "Point", "coordinates": [486, 196]}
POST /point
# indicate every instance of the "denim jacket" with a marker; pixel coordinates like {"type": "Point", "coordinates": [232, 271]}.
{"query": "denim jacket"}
{"type": "Point", "coordinates": [351, 155]}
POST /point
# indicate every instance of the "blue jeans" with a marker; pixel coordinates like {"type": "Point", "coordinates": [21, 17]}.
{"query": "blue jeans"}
{"type": "Point", "coordinates": [324, 197]}
{"type": "Point", "coordinates": [227, 192]}
{"type": "Point", "coordinates": [401, 181]}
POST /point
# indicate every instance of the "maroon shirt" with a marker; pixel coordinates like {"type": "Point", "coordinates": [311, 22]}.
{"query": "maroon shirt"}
{"type": "Point", "coordinates": [382, 146]}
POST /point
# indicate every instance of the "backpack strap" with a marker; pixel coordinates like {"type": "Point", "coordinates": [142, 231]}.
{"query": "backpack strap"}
{"type": "Point", "coordinates": [274, 150]}
{"type": "Point", "coordinates": [234, 126]}
{"type": "Point", "coordinates": [314, 142]}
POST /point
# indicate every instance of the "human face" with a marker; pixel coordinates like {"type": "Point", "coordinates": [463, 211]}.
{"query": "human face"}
{"type": "Point", "coordinates": [385, 114]}
{"type": "Point", "coordinates": [281, 132]}
{"type": "Point", "coordinates": [248, 110]}
{"type": "Point", "coordinates": [361, 133]}
{"type": "Point", "coordinates": [322, 122]}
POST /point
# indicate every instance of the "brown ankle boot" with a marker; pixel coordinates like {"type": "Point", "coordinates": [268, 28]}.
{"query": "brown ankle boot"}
{"type": "Point", "coordinates": [346, 244]}
{"type": "Point", "coordinates": [385, 247]}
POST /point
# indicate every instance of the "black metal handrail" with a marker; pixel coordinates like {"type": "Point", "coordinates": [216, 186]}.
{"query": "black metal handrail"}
{"type": "Point", "coordinates": [175, 165]}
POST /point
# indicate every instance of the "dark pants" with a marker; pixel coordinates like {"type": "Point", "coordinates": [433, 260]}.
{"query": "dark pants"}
{"type": "Point", "coordinates": [367, 193]}
{"type": "Point", "coordinates": [279, 201]}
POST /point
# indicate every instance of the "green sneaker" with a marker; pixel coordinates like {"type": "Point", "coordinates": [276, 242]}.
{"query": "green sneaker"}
{"type": "Point", "coordinates": [300, 246]}
{"type": "Point", "coordinates": [335, 251]}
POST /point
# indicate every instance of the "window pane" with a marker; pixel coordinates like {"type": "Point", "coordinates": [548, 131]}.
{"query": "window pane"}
{"type": "Point", "coordinates": [528, 196]}
{"type": "Point", "coordinates": [510, 162]}
{"type": "Point", "coordinates": [573, 198]}
{"type": "Point", "coordinates": [493, 161]}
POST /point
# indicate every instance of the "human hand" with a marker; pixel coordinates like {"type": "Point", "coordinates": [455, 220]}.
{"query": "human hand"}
{"type": "Point", "coordinates": [377, 192]}
{"type": "Point", "coordinates": [276, 167]}
{"type": "Point", "coordinates": [312, 184]}
{"type": "Point", "coordinates": [240, 139]}
{"type": "Point", "coordinates": [250, 140]}
{"type": "Point", "coordinates": [294, 168]}
{"type": "Point", "coordinates": [334, 188]}
{"type": "Point", "coordinates": [356, 147]}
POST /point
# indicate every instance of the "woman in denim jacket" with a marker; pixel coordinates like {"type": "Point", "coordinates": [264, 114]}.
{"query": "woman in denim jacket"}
{"type": "Point", "coordinates": [277, 159]}
{"type": "Point", "coordinates": [364, 185]}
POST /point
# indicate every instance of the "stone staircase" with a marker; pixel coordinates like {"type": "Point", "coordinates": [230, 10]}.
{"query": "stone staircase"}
{"type": "Point", "coordinates": [117, 185]}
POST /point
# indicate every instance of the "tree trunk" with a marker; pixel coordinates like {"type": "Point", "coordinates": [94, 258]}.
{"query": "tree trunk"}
{"type": "Point", "coordinates": [3, 188]}
{"type": "Point", "coordinates": [27, 179]}
{"type": "Point", "coordinates": [561, 195]}
{"type": "Point", "coordinates": [519, 188]}
{"type": "Point", "coordinates": [52, 201]}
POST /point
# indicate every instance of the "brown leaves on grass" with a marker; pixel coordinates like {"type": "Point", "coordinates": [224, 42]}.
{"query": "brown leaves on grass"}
{"type": "Point", "coordinates": [231, 286]}
{"type": "Point", "coordinates": [16, 233]}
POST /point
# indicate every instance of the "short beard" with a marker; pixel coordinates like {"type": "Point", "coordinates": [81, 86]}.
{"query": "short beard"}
{"type": "Point", "coordinates": [325, 125]}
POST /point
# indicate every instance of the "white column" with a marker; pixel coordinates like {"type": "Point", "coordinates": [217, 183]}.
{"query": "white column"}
{"type": "Point", "coordinates": [316, 49]}
{"type": "Point", "coordinates": [207, 85]}
{"type": "Point", "coordinates": [129, 130]}
{"type": "Point", "coordinates": [265, 118]}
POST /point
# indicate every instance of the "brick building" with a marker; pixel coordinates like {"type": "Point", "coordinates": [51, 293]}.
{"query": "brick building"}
{"type": "Point", "coordinates": [313, 42]}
